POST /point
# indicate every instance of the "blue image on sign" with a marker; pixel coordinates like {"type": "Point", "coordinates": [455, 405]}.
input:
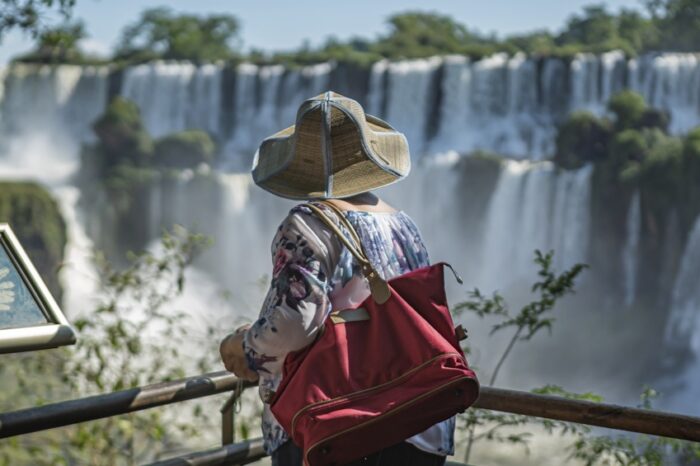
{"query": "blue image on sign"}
{"type": "Point", "coordinates": [18, 307]}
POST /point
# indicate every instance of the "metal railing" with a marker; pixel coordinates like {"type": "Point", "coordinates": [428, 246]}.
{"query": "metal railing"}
{"type": "Point", "coordinates": [65, 413]}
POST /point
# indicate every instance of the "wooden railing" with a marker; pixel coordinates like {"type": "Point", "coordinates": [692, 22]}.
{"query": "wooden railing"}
{"type": "Point", "coordinates": [65, 413]}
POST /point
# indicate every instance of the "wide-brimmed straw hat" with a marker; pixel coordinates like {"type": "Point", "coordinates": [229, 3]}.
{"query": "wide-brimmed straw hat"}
{"type": "Point", "coordinates": [334, 150]}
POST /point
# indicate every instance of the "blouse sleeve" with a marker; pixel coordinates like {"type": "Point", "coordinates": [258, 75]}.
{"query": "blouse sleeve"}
{"type": "Point", "coordinates": [297, 302]}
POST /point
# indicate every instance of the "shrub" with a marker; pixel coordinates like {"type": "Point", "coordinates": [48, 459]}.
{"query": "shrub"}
{"type": "Point", "coordinates": [185, 149]}
{"type": "Point", "coordinates": [628, 107]}
{"type": "Point", "coordinates": [36, 220]}
{"type": "Point", "coordinates": [122, 135]}
{"type": "Point", "coordinates": [581, 138]}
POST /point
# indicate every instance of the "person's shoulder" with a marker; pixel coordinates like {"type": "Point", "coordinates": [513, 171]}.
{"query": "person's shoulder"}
{"type": "Point", "coordinates": [301, 218]}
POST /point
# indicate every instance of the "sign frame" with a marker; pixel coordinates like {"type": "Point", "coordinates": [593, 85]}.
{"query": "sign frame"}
{"type": "Point", "coordinates": [57, 331]}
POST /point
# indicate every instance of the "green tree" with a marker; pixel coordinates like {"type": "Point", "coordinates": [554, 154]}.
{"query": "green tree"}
{"type": "Point", "coordinates": [29, 15]}
{"type": "Point", "coordinates": [418, 34]}
{"type": "Point", "coordinates": [59, 44]}
{"type": "Point", "coordinates": [538, 42]}
{"type": "Point", "coordinates": [122, 136]}
{"type": "Point", "coordinates": [161, 33]}
{"type": "Point", "coordinates": [628, 107]}
{"type": "Point", "coordinates": [596, 26]}
{"type": "Point", "coordinates": [598, 30]}
{"type": "Point", "coordinates": [678, 22]}
{"type": "Point", "coordinates": [639, 32]}
{"type": "Point", "coordinates": [582, 138]}
{"type": "Point", "coordinates": [185, 149]}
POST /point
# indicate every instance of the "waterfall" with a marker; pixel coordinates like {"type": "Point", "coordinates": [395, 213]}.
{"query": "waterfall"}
{"type": "Point", "coordinates": [408, 99]}
{"type": "Point", "coordinates": [64, 100]}
{"type": "Point", "coordinates": [175, 96]}
{"type": "Point", "coordinates": [448, 107]}
{"type": "Point", "coordinates": [630, 251]}
{"type": "Point", "coordinates": [256, 115]}
{"type": "Point", "coordinates": [46, 113]}
{"type": "Point", "coordinates": [534, 207]}
{"type": "Point", "coordinates": [376, 97]}
{"type": "Point", "coordinates": [684, 322]}
{"type": "Point", "coordinates": [299, 85]}
{"type": "Point", "coordinates": [683, 326]}
{"type": "Point", "coordinates": [509, 105]}
{"type": "Point", "coordinates": [670, 81]}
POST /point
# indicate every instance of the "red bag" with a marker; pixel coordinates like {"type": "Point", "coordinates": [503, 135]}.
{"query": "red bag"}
{"type": "Point", "coordinates": [377, 374]}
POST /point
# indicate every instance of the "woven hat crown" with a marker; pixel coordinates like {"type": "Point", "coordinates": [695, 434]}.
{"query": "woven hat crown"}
{"type": "Point", "coordinates": [334, 150]}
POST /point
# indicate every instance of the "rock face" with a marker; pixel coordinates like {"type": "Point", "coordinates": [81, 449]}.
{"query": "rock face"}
{"type": "Point", "coordinates": [36, 220]}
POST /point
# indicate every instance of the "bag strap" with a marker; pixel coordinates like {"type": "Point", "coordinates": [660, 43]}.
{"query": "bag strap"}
{"type": "Point", "coordinates": [354, 246]}
{"type": "Point", "coordinates": [377, 285]}
{"type": "Point", "coordinates": [344, 220]}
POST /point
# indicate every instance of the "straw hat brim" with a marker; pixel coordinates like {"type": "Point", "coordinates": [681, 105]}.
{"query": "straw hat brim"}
{"type": "Point", "coordinates": [301, 162]}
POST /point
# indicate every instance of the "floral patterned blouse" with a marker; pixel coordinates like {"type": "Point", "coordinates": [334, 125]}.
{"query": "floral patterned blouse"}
{"type": "Point", "coordinates": [314, 273]}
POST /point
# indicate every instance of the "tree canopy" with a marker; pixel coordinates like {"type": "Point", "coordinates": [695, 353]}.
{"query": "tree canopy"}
{"type": "Point", "coordinates": [29, 15]}
{"type": "Point", "coordinates": [58, 44]}
{"type": "Point", "coordinates": [421, 34]}
{"type": "Point", "coordinates": [161, 33]}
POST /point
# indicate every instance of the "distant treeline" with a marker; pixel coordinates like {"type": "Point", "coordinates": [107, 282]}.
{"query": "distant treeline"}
{"type": "Point", "coordinates": [161, 33]}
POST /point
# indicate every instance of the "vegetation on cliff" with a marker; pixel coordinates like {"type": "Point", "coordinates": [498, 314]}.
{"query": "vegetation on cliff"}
{"type": "Point", "coordinates": [36, 220]}
{"type": "Point", "coordinates": [121, 167]}
{"type": "Point", "coordinates": [160, 33]}
{"type": "Point", "coordinates": [633, 148]}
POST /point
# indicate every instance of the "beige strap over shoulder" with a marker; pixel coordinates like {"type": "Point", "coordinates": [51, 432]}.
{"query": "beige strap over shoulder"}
{"type": "Point", "coordinates": [377, 285]}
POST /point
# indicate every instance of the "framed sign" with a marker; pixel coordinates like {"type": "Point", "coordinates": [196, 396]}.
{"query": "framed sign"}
{"type": "Point", "coordinates": [30, 319]}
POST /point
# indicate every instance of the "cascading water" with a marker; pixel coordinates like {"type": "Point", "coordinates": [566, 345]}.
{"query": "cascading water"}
{"type": "Point", "coordinates": [175, 96]}
{"type": "Point", "coordinates": [509, 105]}
{"type": "Point", "coordinates": [683, 326]}
{"type": "Point", "coordinates": [630, 252]}
{"type": "Point", "coordinates": [447, 106]}
{"type": "Point", "coordinates": [671, 82]}
{"type": "Point", "coordinates": [408, 98]}
{"type": "Point", "coordinates": [41, 136]}
{"type": "Point", "coordinates": [534, 207]}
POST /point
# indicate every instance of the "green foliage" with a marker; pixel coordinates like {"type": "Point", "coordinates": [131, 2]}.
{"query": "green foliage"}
{"type": "Point", "coordinates": [678, 22]}
{"type": "Point", "coordinates": [122, 136]}
{"type": "Point", "coordinates": [118, 330]}
{"type": "Point", "coordinates": [581, 138]}
{"type": "Point", "coordinates": [531, 318]}
{"type": "Point", "coordinates": [59, 44]}
{"type": "Point", "coordinates": [131, 338]}
{"type": "Point", "coordinates": [594, 450]}
{"type": "Point", "coordinates": [635, 150]}
{"type": "Point", "coordinates": [160, 33]}
{"type": "Point", "coordinates": [36, 220]}
{"type": "Point", "coordinates": [598, 30]}
{"type": "Point", "coordinates": [28, 15]}
{"type": "Point", "coordinates": [628, 108]}
{"type": "Point", "coordinates": [417, 34]}
{"type": "Point", "coordinates": [634, 450]}
{"type": "Point", "coordinates": [535, 43]}
{"type": "Point", "coordinates": [186, 149]}
{"type": "Point", "coordinates": [629, 145]}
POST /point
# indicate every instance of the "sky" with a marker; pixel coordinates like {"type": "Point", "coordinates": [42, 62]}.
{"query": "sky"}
{"type": "Point", "coordinates": [285, 24]}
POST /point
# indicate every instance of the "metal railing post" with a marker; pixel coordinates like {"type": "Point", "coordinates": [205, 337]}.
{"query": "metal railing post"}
{"type": "Point", "coordinates": [228, 431]}
{"type": "Point", "coordinates": [228, 415]}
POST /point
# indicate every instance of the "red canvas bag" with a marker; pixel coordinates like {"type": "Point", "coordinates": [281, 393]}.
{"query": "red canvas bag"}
{"type": "Point", "coordinates": [379, 373]}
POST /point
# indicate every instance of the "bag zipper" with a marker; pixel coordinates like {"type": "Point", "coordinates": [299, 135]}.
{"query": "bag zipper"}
{"type": "Point", "coordinates": [333, 401]}
{"type": "Point", "coordinates": [381, 416]}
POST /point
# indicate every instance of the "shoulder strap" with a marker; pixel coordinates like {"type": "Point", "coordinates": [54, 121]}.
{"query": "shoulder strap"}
{"type": "Point", "coordinates": [378, 286]}
{"type": "Point", "coordinates": [344, 220]}
{"type": "Point", "coordinates": [356, 248]}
